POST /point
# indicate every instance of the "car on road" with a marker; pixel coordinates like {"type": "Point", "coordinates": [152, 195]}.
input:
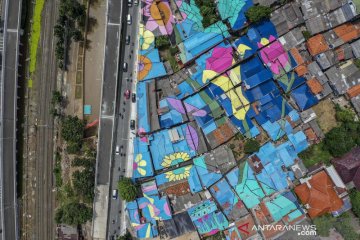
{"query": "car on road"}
{"type": "Point", "coordinates": [117, 150]}
{"type": "Point", "coordinates": [115, 194]}
{"type": "Point", "coordinates": [125, 67]}
{"type": "Point", "coordinates": [136, 2]}
{"type": "Point", "coordinates": [133, 97]}
{"type": "Point", "coordinates": [127, 94]}
{"type": "Point", "coordinates": [127, 40]}
{"type": "Point", "coordinates": [132, 124]}
{"type": "Point", "coordinates": [129, 3]}
{"type": "Point", "coordinates": [129, 19]}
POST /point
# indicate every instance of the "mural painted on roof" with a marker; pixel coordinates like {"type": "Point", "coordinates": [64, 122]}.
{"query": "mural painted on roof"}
{"type": "Point", "coordinates": [207, 219]}
{"type": "Point", "coordinates": [234, 12]}
{"type": "Point", "coordinates": [171, 147]}
{"type": "Point", "coordinates": [158, 17]}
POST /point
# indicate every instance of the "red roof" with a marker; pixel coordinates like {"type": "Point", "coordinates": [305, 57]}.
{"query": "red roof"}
{"type": "Point", "coordinates": [315, 86]}
{"type": "Point", "coordinates": [347, 31]}
{"type": "Point", "coordinates": [317, 44]}
{"type": "Point", "coordinates": [353, 91]}
{"type": "Point", "coordinates": [319, 195]}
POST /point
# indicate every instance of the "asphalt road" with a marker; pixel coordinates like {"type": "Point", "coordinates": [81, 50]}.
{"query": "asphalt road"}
{"type": "Point", "coordinates": [127, 54]}
{"type": "Point", "coordinates": [9, 94]}
{"type": "Point", "coordinates": [45, 82]}
{"type": "Point", "coordinates": [107, 118]}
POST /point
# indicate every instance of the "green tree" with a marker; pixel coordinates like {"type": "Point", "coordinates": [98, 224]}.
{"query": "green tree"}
{"type": "Point", "coordinates": [324, 224]}
{"type": "Point", "coordinates": [127, 189]}
{"type": "Point", "coordinates": [251, 146]}
{"type": "Point", "coordinates": [162, 42]}
{"type": "Point", "coordinates": [83, 182]}
{"type": "Point", "coordinates": [343, 226]}
{"type": "Point", "coordinates": [357, 62]}
{"type": "Point", "coordinates": [218, 236]}
{"type": "Point", "coordinates": [306, 35]}
{"type": "Point", "coordinates": [57, 98]}
{"type": "Point", "coordinates": [258, 13]}
{"type": "Point", "coordinates": [344, 115]}
{"type": "Point", "coordinates": [126, 236]}
{"type": "Point", "coordinates": [77, 35]}
{"type": "Point", "coordinates": [72, 129]}
{"type": "Point", "coordinates": [73, 214]}
{"type": "Point", "coordinates": [338, 142]}
{"type": "Point", "coordinates": [355, 202]}
{"type": "Point", "coordinates": [73, 147]}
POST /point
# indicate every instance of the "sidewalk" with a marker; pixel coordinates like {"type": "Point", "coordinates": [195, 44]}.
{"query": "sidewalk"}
{"type": "Point", "coordinates": [94, 63]}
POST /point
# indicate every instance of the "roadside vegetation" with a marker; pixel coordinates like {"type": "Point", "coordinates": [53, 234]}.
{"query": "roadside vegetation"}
{"type": "Point", "coordinates": [70, 26]}
{"type": "Point", "coordinates": [258, 13]}
{"type": "Point", "coordinates": [126, 236]}
{"type": "Point", "coordinates": [74, 168]}
{"type": "Point", "coordinates": [338, 141]}
{"type": "Point", "coordinates": [72, 131]}
{"type": "Point", "coordinates": [35, 37]}
{"type": "Point", "coordinates": [127, 189]}
{"type": "Point", "coordinates": [208, 12]}
{"type": "Point", "coordinates": [73, 214]}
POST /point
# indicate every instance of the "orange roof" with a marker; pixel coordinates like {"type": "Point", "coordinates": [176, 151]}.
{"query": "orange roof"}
{"type": "Point", "coordinates": [301, 70]}
{"type": "Point", "coordinates": [317, 44]}
{"type": "Point", "coordinates": [347, 31]}
{"type": "Point", "coordinates": [272, 232]}
{"type": "Point", "coordinates": [310, 134]}
{"type": "Point", "coordinates": [321, 196]}
{"type": "Point", "coordinates": [298, 58]}
{"type": "Point", "coordinates": [353, 91]}
{"type": "Point", "coordinates": [314, 86]}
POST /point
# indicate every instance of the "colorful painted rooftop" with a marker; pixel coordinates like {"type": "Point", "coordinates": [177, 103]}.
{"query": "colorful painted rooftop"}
{"type": "Point", "coordinates": [232, 80]}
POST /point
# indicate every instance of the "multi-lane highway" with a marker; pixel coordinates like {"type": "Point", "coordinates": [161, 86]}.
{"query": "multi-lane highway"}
{"type": "Point", "coordinates": [115, 117]}
{"type": "Point", "coordinates": [116, 223]}
{"type": "Point", "coordinates": [9, 81]}
{"type": "Point", "coordinates": [107, 118]}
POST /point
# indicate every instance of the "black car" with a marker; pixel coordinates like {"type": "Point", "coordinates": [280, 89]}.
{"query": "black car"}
{"type": "Point", "coordinates": [132, 124]}
{"type": "Point", "coordinates": [127, 40]}
{"type": "Point", "coordinates": [133, 97]}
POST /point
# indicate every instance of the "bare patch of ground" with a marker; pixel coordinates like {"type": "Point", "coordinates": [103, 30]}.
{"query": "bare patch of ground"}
{"type": "Point", "coordinates": [325, 112]}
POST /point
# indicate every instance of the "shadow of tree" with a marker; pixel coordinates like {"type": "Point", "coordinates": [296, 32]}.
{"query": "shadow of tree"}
{"type": "Point", "coordinates": [92, 24]}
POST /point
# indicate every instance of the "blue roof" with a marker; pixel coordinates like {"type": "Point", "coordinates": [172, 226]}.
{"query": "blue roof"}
{"type": "Point", "coordinates": [304, 97]}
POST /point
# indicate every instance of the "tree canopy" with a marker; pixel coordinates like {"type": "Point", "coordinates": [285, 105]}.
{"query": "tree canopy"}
{"type": "Point", "coordinates": [72, 129]}
{"type": "Point", "coordinates": [355, 202]}
{"type": "Point", "coordinates": [162, 42]}
{"type": "Point", "coordinates": [127, 189]}
{"type": "Point", "coordinates": [126, 236]}
{"type": "Point", "coordinates": [338, 142]}
{"type": "Point", "coordinates": [73, 214]}
{"type": "Point", "coordinates": [71, 21]}
{"type": "Point", "coordinates": [83, 182]}
{"type": "Point", "coordinates": [251, 146]}
{"type": "Point", "coordinates": [258, 13]}
{"type": "Point", "coordinates": [208, 12]}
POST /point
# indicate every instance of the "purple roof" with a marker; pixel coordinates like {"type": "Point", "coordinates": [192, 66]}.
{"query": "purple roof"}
{"type": "Point", "coordinates": [347, 166]}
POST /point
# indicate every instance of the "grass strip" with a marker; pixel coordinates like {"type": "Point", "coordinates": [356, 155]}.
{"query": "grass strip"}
{"type": "Point", "coordinates": [35, 36]}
